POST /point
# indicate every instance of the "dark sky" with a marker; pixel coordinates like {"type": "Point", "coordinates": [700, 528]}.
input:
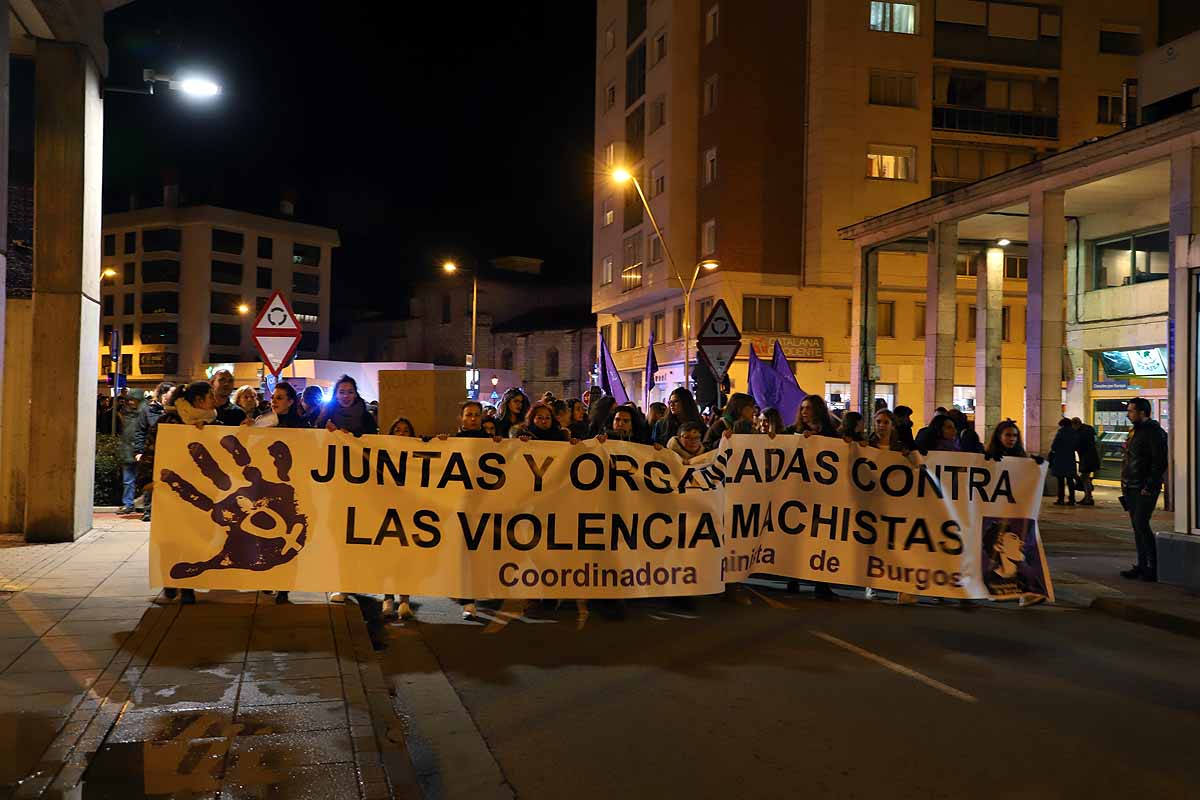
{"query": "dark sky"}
{"type": "Point", "coordinates": [418, 130]}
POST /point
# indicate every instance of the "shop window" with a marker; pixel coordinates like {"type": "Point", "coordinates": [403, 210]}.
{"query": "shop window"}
{"type": "Point", "coordinates": [837, 396]}
{"type": "Point", "coordinates": [964, 399]}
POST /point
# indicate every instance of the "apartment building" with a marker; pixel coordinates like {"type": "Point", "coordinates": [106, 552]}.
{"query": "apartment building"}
{"type": "Point", "coordinates": [757, 129]}
{"type": "Point", "coordinates": [184, 286]}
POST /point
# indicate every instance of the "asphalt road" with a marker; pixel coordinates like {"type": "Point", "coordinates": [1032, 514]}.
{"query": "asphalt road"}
{"type": "Point", "coordinates": [787, 696]}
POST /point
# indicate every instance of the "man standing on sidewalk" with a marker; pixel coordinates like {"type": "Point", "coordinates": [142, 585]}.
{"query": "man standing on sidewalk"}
{"type": "Point", "coordinates": [1142, 469]}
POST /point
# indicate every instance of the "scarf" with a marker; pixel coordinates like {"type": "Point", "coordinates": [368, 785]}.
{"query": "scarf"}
{"type": "Point", "coordinates": [192, 415]}
{"type": "Point", "coordinates": [348, 419]}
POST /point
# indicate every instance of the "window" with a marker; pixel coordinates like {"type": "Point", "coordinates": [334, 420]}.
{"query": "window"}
{"type": "Point", "coordinates": [130, 242]}
{"type": "Point", "coordinates": [954, 166]}
{"type": "Point", "coordinates": [166, 271]}
{"type": "Point", "coordinates": [1016, 267]}
{"type": "Point", "coordinates": [552, 363]}
{"type": "Point", "coordinates": [659, 50]}
{"type": "Point", "coordinates": [446, 309]}
{"type": "Point", "coordinates": [156, 239]}
{"type": "Point", "coordinates": [658, 180]}
{"type": "Point", "coordinates": [260, 303]}
{"type": "Point", "coordinates": [658, 326]}
{"type": "Point", "coordinates": [964, 398]}
{"type": "Point", "coordinates": [126, 363]}
{"type": "Point", "coordinates": [127, 335]}
{"type": "Point", "coordinates": [708, 238]}
{"type": "Point", "coordinates": [158, 363]}
{"type": "Point", "coordinates": [160, 302]}
{"type": "Point", "coordinates": [307, 254]}
{"type": "Point", "coordinates": [629, 334]}
{"type": "Point", "coordinates": [506, 359]}
{"type": "Point", "coordinates": [658, 113]}
{"type": "Point", "coordinates": [224, 303]}
{"type": "Point", "coordinates": [1005, 327]}
{"type": "Point", "coordinates": [610, 37]}
{"type": "Point", "coordinates": [224, 335]}
{"type": "Point", "coordinates": [894, 17]}
{"type": "Point", "coordinates": [127, 304]}
{"type": "Point", "coordinates": [306, 283]}
{"type": "Point", "coordinates": [607, 214]}
{"type": "Point", "coordinates": [606, 271]}
{"type": "Point", "coordinates": [606, 334]}
{"type": "Point", "coordinates": [710, 94]}
{"type": "Point", "coordinates": [160, 333]}
{"type": "Point", "coordinates": [266, 248]}
{"type": "Point", "coordinates": [712, 24]}
{"type": "Point", "coordinates": [1131, 259]}
{"type": "Point", "coordinates": [885, 319]}
{"type": "Point", "coordinates": [227, 242]}
{"type": "Point", "coordinates": [635, 20]}
{"type": "Point", "coordinates": [656, 249]}
{"type": "Point", "coordinates": [610, 96]}
{"type": "Point", "coordinates": [1110, 109]}
{"type": "Point", "coordinates": [635, 135]}
{"type": "Point", "coordinates": [677, 323]}
{"type": "Point", "coordinates": [972, 322]}
{"type": "Point", "coordinates": [635, 75]}
{"type": "Point", "coordinates": [109, 303]}
{"type": "Point", "coordinates": [129, 274]}
{"type": "Point", "coordinates": [309, 342]}
{"type": "Point", "coordinates": [222, 272]}
{"type": "Point", "coordinates": [703, 309]}
{"type": "Point", "coordinates": [263, 278]}
{"type": "Point", "coordinates": [609, 156]}
{"type": "Point", "coordinates": [710, 165]}
{"type": "Point", "coordinates": [919, 322]}
{"type": "Point", "coordinates": [893, 88]}
{"type": "Point", "coordinates": [110, 244]}
{"type": "Point", "coordinates": [1121, 40]}
{"type": "Point", "coordinates": [886, 162]}
{"type": "Point", "coordinates": [767, 314]}
{"type": "Point", "coordinates": [837, 396]}
{"type": "Point", "coordinates": [631, 274]}
{"type": "Point", "coordinates": [967, 264]}
{"type": "Point", "coordinates": [307, 312]}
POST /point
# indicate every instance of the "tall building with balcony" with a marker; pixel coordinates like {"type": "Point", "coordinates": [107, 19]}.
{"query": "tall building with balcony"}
{"type": "Point", "coordinates": [757, 129]}
{"type": "Point", "coordinates": [179, 276]}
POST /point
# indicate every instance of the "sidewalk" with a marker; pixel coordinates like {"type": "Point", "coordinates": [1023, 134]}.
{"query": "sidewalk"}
{"type": "Point", "coordinates": [104, 694]}
{"type": "Point", "coordinates": [1087, 547]}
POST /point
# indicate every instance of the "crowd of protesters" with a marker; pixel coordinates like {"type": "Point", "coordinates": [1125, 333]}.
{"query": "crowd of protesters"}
{"type": "Point", "coordinates": [679, 425]}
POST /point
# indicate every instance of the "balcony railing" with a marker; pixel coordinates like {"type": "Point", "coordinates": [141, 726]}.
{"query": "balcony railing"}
{"type": "Point", "coordinates": [631, 278]}
{"type": "Point", "coordinates": [996, 123]}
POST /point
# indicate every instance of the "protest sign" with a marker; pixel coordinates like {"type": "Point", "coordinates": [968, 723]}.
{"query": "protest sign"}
{"type": "Point", "coordinates": [254, 508]}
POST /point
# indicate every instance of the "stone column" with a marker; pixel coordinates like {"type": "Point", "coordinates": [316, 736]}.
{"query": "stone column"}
{"type": "Point", "coordinates": [1045, 328]}
{"type": "Point", "coordinates": [989, 333]}
{"type": "Point", "coordinates": [864, 309]}
{"type": "Point", "coordinates": [4, 80]}
{"type": "Point", "coordinates": [940, 317]}
{"type": "Point", "coordinates": [1181, 356]}
{"type": "Point", "coordinates": [66, 284]}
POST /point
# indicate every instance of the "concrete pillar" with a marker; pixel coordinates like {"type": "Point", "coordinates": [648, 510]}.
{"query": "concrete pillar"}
{"type": "Point", "coordinates": [4, 80]}
{"type": "Point", "coordinates": [864, 309]}
{"type": "Point", "coordinates": [989, 333]}
{"type": "Point", "coordinates": [1181, 355]}
{"type": "Point", "coordinates": [940, 317]}
{"type": "Point", "coordinates": [1045, 328]}
{"type": "Point", "coordinates": [66, 283]}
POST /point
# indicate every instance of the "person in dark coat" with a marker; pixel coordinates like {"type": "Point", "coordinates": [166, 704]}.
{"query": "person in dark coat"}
{"type": "Point", "coordinates": [1062, 461]}
{"type": "Point", "coordinates": [738, 418]}
{"type": "Point", "coordinates": [681, 409]}
{"type": "Point", "coordinates": [228, 412]}
{"type": "Point", "coordinates": [600, 414]}
{"type": "Point", "coordinates": [940, 435]}
{"type": "Point", "coordinates": [513, 410]}
{"type": "Point", "coordinates": [1089, 458]}
{"type": "Point", "coordinates": [347, 411]}
{"type": "Point", "coordinates": [1005, 442]}
{"type": "Point", "coordinates": [128, 458]}
{"type": "Point", "coordinates": [312, 401]}
{"type": "Point", "coordinates": [540, 424]}
{"type": "Point", "coordinates": [1142, 469]}
{"type": "Point", "coordinates": [904, 425]}
{"type": "Point", "coordinates": [813, 419]}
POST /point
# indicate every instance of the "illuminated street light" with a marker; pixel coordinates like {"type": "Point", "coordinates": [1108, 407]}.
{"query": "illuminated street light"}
{"type": "Point", "coordinates": [197, 87]}
{"type": "Point", "coordinates": [243, 308]}
{"type": "Point", "coordinates": [1004, 242]}
{"type": "Point", "coordinates": [450, 266]}
{"type": "Point", "coordinates": [108, 272]}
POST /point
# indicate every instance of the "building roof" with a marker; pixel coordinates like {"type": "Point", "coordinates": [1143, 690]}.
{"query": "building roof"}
{"type": "Point", "coordinates": [215, 215]}
{"type": "Point", "coordinates": [555, 318]}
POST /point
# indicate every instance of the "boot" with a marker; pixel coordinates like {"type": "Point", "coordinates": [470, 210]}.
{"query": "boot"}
{"type": "Point", "coordinates": [1133, 573]}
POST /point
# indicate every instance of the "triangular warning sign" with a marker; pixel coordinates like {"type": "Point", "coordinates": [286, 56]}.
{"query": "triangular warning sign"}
{"type": "Point", "coordinates": [719, 325]}
{"type": "Point", "coordinates": [276, 315]}
{"type": "Point", "coordinates": [718, 355]}
{"type": "Point", "coordinates": [276, 350]}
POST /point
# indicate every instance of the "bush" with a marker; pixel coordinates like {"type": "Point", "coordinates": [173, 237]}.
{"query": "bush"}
{"type": "Point", "coordinates": [107, 491]}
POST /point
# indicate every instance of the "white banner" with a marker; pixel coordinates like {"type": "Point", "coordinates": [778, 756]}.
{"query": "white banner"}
{"type": "Point", "coordinates": [253, 508]}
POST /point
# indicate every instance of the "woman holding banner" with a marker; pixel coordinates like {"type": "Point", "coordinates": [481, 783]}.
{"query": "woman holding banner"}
{"type": "Point", "coordinates": [540, 425]}
{"type": "Point", "coordinates": [346, 412]}
{"type": "Point", "coordinates": [514, 408]}
{"type": "Point", "coordinates": [886, 435]}
{"type": "Point", "coordinates": [681, 409]}
{"type": "Point", "coordinates": [813, 420]}
{"type": "Point", "coordinates": [1005, 441]}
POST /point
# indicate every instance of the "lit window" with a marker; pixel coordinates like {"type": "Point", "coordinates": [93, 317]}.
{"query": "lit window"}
{"type": "Point", "coordinates": [607, 213]}
{"type": "Point", "coordinates": [610, 96]}
{"type": "Point", "coordinates": [710, 95]}
{"type": "Point", "coordinates": [1016, 267]}
{"type": "Point", "coordinates": [610, 154]}
{"type": "Point", "coordinates": [894, 17]}
{"type": "Point", "coordinates": [606, 270]}
{"type": "Point", "coordinates": [891, 163]}
{"type": "Point", "coordinates": [708, 238]}
{"type": "Point", "coordinates": [712, 24]}
{"type": "Point", "coordinates": [710, 165]}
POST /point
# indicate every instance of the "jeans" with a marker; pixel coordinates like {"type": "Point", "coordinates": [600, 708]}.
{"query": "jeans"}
{"type": "Point", "coordinates": [1069, 482]}
{"type": "Point", "coordinates": [1141, 507]}
{"type": "Point", "coordinates": [127, 476]}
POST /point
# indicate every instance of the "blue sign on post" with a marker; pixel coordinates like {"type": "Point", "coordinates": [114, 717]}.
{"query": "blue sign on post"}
{"type": "Point", "coordinates": [272, 382]}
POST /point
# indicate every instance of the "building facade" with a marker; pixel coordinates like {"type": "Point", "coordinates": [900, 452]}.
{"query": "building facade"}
{"type": "Point", "coordinates": [757, 129]}
{"type": "Point", "coordinates": [184, 286]}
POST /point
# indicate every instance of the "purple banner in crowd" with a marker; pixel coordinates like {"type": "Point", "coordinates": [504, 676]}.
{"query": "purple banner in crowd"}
{"type": "Point", "coordinates": [610, 378]}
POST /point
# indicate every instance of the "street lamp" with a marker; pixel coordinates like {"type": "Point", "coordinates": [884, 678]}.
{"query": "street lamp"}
{"type": "Point", "coordinates": [108, 272]}
{"type": "Point", "coordinates": [243, 309]}
{"type": "Point", "coordinates": [622, 175]}
{"type": "Point", "coordinates": [190, 84]}
{"type": "Point", "coordinates": [450, 268]}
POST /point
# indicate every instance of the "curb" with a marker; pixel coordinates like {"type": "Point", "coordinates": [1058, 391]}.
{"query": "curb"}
{"type": "Point", "coordinates": [1142, 615]}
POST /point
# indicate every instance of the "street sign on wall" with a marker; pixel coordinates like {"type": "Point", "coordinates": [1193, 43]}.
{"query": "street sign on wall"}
{"type": "Point", "coordinates": [719, 340]}
{"type": "Point", "coordinates": [276, 333]}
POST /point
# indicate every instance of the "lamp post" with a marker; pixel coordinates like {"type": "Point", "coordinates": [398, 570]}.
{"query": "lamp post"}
{"type": "Point", "coordinates": [192, 85]}
{"type": "Point", "coordinates": [450, 268]}
{"type": "Point", "coordinates": [622, 175]}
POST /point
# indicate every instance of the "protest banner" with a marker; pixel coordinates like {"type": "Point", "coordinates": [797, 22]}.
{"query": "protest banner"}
{"type": "Point", "coordinates": [253, 508]}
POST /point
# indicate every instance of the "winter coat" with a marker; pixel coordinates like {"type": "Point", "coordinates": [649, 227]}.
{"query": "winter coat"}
{"type": "Point", "coordinates": [504, 425]}
{"type": "Point", "coordinates": [676, 447]}
{"type": "Point", "coordinates": [1085, 445]}
{"type": "Point", "coordinates": [1062, 454]}
{"type": "Point", "coordinates": [904, 432]}
{"type": "Point", "coordinates": [179, 414]}
{"type": "Point", "coordinates": [554, 434]}
{"type": "Point", "coordinates": [895, 445]}
{"type": "Point", "coordinates": [230, 414]}
{"type": "Point", "coordinates": [1145, 460]}
{"type": "Point", "coordinates": [128, 429]}
{"type": "Point", "coordinates": [357, 418]}
{"type": "Point", "coordinates": [147, 418]}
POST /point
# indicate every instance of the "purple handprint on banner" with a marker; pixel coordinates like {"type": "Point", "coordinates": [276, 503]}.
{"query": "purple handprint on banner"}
{"type": "Point", "coordinates": [264, 526]}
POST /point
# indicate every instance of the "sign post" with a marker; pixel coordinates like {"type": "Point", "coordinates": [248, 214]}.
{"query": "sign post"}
{"type": "Point", "coordinates": [719, 340]}
{"type": "Point", "coordinates": [276, 333]}
{"type": "Point", "coordinates": [114, 355]}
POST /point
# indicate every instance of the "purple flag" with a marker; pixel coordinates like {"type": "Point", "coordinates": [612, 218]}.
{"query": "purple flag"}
{"type": "Point", "coordinates": [790, 393]}
{"type": "Point", "coordinates": [764, 382]}
{"type": "Point", "coordinates": [651, 368]}
{"type": "Point", "coordinates": [610, 379]}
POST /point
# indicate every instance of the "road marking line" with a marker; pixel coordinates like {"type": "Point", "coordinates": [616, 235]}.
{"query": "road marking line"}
{"type": "Point", "coordinates": [681, 616]}
{"type": "Point", "coordinates": [894, 667]}
{"type": "Point", "coordinates": [771, 601]}
{"type": "Point", "coordinates": [509, 610]}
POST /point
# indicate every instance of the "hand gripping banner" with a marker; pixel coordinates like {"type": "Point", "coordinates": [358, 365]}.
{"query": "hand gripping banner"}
{"type": "Point", "coordinates": [254, 508]}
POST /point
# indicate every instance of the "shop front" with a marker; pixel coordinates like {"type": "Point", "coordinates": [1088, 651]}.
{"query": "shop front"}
{"type": "Point", "coordinates": [1119, 376]}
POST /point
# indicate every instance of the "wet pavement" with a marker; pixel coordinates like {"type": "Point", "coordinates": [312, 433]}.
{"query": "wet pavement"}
{"type": "Point", "coordinates": [104, 694]}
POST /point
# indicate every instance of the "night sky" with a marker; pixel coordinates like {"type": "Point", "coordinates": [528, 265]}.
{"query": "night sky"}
{"type": "Point", "coordinates": [418, 130]}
